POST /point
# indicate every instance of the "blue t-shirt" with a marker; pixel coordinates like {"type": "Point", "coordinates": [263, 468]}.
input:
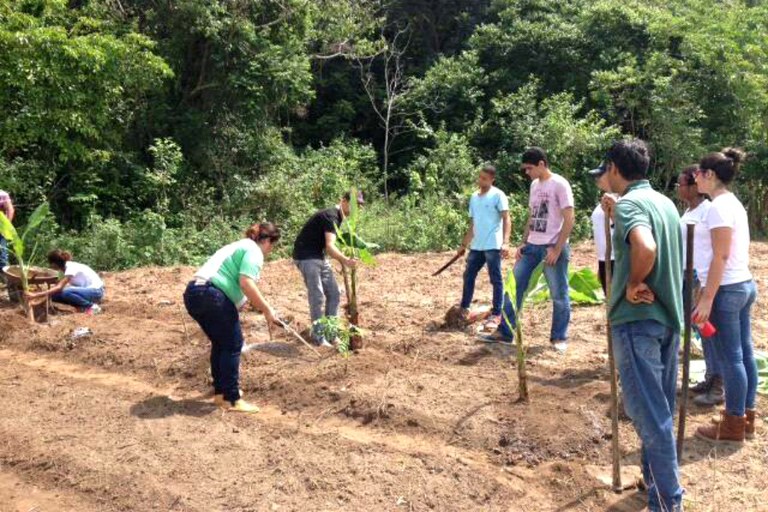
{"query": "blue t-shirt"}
{"type": "Point", "coordinates": [486, 210]}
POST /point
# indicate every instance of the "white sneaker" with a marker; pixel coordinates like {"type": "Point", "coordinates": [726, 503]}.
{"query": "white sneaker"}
{"type": "Point", "coordinates": [95, 309]}
{"type": "Point", "coordinates": [560, 346]}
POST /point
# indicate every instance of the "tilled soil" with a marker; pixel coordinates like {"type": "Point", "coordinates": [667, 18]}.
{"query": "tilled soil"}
{"type": "Point", "coordinates": [423, 418]}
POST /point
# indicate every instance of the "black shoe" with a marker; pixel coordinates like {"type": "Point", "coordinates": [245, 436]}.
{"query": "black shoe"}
{"type": "Point", "coordinates": [703, 386]}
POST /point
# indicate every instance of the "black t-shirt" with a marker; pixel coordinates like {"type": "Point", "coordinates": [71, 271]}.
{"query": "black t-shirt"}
{"type": "Point", "coordinates": [310, 244]}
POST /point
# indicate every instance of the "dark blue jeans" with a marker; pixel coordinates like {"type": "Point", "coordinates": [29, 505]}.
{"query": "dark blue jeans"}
{"type": "Point", "coordinates": [81, 298]}
{"type": "Point", "coordinates": [220, 321]}
{"type": "Point", "coordinates": [732, 345]}
{"type": "Point", "coordinates": [475, 262]}
{"type": "Point", "coordinates": [557, 280]}
{"type": "Point", "coordinates": [3, 252]}
{"type": "Point", "coordinates": [646, 357]}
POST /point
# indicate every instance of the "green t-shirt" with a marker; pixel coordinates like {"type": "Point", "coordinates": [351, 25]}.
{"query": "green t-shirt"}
{"type": "Point", "coordinates": [223, 269]}
{"type": "Point", "coordinates": [642, 206]}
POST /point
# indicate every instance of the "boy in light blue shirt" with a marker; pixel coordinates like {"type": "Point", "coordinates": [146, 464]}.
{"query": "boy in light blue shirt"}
{"type": "Point", "coordinates": [487, 240]}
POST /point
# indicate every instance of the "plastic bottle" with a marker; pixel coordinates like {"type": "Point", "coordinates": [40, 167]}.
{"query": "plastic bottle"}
{"type": "Point", "coordinates": [707, 330]}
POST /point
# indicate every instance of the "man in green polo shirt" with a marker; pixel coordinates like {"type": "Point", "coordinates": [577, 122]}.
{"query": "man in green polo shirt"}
{"type": "Point", "coordinates": [645, 313]}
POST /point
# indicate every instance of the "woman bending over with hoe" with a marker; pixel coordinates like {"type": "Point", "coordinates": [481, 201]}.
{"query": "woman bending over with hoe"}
{"type": "Point", "coordinates": [222, 286]}
{"type": "Point", "coordinates": [80, 287]}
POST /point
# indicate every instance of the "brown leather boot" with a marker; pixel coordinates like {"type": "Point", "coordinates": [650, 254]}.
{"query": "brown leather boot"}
{"type": "Point", "coordinates": [729, 430]}
{"type": "Point", "coordinates": [749, 423]}
{"type": "Point", "coordinates": [749, 427]}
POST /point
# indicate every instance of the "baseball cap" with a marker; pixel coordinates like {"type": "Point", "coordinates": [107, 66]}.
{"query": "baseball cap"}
{"type": "Point", "coordinates": [599, 171]}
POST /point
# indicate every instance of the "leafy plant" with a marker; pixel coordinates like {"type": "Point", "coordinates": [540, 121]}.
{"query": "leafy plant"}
{"type": "Point", "coordinates": [510, 289]}
{"type": "Point", "coordinates": [584, 288]}
{"type": "Point", "coordinates": [17, 243]}
{"type": "Point", "coordinates": [352, 246]}
{"type": "Point", "coordinates": [335, 328]}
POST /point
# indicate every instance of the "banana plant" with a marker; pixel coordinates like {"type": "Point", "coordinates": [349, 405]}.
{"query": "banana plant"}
{"type": "Point", "coordinates": [584, 288]}
{"type": "Point", "coordinates": [17, 244]}
{"type": "Point", "coordinates": [510, 289]}
{"type": "Point", "coordinates": [353, 246]}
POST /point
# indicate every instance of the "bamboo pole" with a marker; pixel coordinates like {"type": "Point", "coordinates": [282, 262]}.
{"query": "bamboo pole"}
{"type": "Point", "coordinates": [615, 448]}
{"type": "Point", "coordinates": [687, 312]}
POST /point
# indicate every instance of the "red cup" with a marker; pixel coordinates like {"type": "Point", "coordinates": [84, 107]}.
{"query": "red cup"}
{"type": "Point", "coordinates": [706, 329]}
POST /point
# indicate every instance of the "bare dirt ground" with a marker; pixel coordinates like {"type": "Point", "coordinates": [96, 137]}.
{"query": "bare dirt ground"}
{"type": "Point", "coordinates": [422, 419]}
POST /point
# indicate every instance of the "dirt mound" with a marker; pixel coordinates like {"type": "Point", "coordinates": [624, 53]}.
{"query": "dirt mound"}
{"type": "Point", "coordinates": [422, 418]}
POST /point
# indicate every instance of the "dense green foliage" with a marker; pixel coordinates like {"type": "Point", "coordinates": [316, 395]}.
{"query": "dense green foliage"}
{"type": "Point", "coordinates": [158, 129]}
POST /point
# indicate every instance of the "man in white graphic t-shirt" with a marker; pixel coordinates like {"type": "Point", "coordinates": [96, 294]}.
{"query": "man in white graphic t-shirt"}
{"type": "Point", "coordinates": [545, 239]}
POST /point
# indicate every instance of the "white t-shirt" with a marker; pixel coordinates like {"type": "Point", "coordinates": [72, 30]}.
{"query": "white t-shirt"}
{"type": "Point", "coordinates": [82, 276]}
{"type": "Point", "coordinates": [702, 238]}
{"type": "Point", "coordinates": [727, 211]}
{"type": "Point", "coordinates": [598, 232]}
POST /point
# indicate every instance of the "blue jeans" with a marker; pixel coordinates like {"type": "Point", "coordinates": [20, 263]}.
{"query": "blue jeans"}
{"type": "Point", "coordinates": [3, 252]}
{"type": "Point", "coordinates": [475, 262]}
{"type": "Point", "coordinates": [713, 368]}
{"type": "Point", "coordinates": [732, 345]}
{"type": "Point", "coordinates": [220, 321]}
{"type": "Point", "coordinates": [646, 357]}
{"type": "Point", "coordinates": [557, 280]}
{"type": "Point", "coordinates": [81, 298]}
{"type": "Point", "coordinates": [706, 343]}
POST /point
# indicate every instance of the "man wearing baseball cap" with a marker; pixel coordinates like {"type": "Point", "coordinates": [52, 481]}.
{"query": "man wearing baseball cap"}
{"type": "Point", "coordinates": [315, 243]}
{"type": "Point", "coordinates": [598, 221]}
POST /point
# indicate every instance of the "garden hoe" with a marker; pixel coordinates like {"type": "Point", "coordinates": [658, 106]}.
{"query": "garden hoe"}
{"type": "Point", "coordinates": [286, 327]}
{"type": "Point", "coordinates": [687, 313]}
{"type": "Point", "coordinates": [615, 453]}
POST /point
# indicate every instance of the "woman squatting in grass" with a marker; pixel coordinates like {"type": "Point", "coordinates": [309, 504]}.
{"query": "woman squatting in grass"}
{"type": "Point", "coordinates": [220, 288]}
{"type": "Point", "coordinates": [80, 287]}
{"type": "Point", "coordinates": [728, 296]}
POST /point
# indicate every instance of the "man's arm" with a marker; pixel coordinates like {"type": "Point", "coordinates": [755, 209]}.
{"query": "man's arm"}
{"type": "Point", "coordinates": [10, 209]}
{"type": "Point", "coordinates": [526, 231]}
{"type": "Point", "coordinates": [642, 258]}
{"type": "Point", "coordinates": [507, 232]}
{"type": "Point", "coordinates": [334, 252]}
{"type": "Point", "coordinates": [467, 239]}
{"type": "Point", "coordinates": [553, 253]}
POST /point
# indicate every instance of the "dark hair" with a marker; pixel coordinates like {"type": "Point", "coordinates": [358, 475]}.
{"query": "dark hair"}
{"type": "Point", "coordinates": [489, 170]}
{"type": "Point", "coordinates": [263, 231]}
{"type": "Point", "coordinates": [725, 164]}
{"type": "Point", "coordinates": [534, 155]}
{"type": "Point", "coordinates": [631, 158]}
{"type": "Point", "coordinates": [689, 172]}
{"type": "Point", "coordinates": [58, 258]}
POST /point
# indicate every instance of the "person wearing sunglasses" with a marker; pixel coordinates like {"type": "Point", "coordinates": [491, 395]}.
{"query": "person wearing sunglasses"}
{"type": "Point", "coordinates": [219, 289]}
{"type": "Point", "coordinates": [709, 392]}
{"type": "Point", "coordinates": [728, 296]}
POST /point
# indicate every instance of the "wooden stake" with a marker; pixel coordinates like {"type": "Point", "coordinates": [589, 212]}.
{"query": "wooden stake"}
{"type": "Point", "coordinates": [615, 449]}
{"type": "Point", "coordinates": [687, 313]}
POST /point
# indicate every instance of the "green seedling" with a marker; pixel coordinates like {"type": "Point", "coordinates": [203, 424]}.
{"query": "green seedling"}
{"type": "Point", "coordinates": [510, 289]}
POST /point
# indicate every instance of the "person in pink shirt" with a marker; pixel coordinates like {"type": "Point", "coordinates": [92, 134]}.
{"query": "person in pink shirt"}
{"type": "Point", "coordinates": [551, 219]}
